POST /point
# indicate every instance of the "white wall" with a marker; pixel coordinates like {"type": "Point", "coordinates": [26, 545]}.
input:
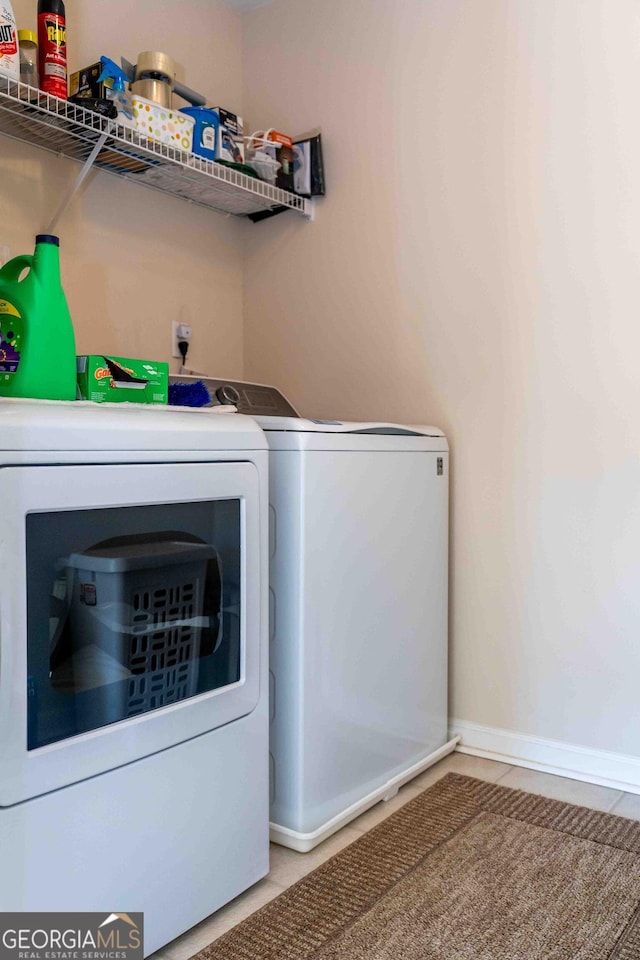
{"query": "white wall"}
{"type": "Point", "coordinates": [132, 259]}
{"type": "Point", "coordinates": [476, 264]}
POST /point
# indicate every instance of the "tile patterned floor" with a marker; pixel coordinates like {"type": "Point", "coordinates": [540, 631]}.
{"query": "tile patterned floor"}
{"type": "Point", "coordinates": [287, 867]}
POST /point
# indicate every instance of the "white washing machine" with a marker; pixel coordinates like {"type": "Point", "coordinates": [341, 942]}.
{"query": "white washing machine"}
{"type": "Point", "coordinates": [133, 661]}
{"type": "Point", "coordinates": [358, 611]}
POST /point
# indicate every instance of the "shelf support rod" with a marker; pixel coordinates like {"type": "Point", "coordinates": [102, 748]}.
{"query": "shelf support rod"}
{"type": "Point", "coordinates": [75, 186]}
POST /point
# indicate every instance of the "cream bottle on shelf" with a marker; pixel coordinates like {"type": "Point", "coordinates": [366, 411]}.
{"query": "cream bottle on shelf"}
{"type": "Point", "coordinates": [9, 56]}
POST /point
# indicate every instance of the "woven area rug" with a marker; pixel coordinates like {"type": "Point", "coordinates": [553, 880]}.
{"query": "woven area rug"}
{"type": "Point", "coordinates": [468, 870]}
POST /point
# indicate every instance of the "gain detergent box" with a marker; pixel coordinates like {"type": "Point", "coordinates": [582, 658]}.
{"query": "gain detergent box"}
{"type": "Point", "coordinates": [121, 379]}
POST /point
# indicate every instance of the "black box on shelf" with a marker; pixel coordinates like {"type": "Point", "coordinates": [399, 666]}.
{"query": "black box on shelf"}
{"type": "Point", "coordinates": [308, 166]}
{"type": "Point", "coordinates": [230, 136]}
{"type": "Point", "coordinates": [83, 84]}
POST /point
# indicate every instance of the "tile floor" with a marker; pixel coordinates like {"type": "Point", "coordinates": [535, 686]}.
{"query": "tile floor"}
{"type": "Point", "coordinates": [287, 866]}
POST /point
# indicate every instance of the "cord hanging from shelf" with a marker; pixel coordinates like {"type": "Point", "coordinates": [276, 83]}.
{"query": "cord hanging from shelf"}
{"type": "Point", "coordinates": [75, 186]}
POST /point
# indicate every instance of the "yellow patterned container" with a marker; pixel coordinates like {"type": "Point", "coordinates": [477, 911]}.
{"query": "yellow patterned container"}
{"type": "Point", "coordinates": [158, 123]}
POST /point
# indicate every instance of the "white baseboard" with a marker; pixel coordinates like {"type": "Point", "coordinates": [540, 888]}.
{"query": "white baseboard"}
{"type": "Point", "coordinates": [617, 770]}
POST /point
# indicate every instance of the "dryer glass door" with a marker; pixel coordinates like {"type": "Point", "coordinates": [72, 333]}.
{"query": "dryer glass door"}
{"type": "Point", "coordinates": [141, 614]}
{"type": "Point", "coordinates": [129, 609]}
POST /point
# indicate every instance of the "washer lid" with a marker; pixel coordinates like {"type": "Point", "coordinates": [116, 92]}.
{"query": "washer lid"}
{"type": "Point", "coordinates": [300, 425]}
{"type": "Point", "coordinates": [296, 433]}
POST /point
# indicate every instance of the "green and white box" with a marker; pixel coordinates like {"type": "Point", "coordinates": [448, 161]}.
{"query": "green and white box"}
{"type": "Point", "coordinates": [99, 380]}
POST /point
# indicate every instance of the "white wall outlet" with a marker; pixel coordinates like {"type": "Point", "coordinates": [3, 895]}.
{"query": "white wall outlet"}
{"type": "Point", "coordinates": [5, 254]}
{"type": "Point", "coordinates": [179, 331]}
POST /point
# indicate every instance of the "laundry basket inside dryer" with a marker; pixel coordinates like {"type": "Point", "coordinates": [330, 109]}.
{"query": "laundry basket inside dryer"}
{"type": "Point", "coordinates": [137, 613]}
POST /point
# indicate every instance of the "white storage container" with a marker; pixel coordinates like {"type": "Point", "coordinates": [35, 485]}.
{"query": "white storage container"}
{"type": "Point", "coordinates": [171, 127]}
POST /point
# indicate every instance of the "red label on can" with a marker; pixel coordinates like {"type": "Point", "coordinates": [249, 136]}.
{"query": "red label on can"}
{"type": "Point", "coordinates": [56, 31]}
{"type": "Point", "coordinates": [52, 54]}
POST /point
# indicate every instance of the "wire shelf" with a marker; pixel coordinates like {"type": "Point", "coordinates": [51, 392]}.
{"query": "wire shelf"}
{"type": "Point", "coordinates": [68, 130]}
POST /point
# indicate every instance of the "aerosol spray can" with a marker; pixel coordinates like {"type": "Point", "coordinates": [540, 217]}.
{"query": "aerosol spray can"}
{"type": "Point", "coordinates": [52, 47]}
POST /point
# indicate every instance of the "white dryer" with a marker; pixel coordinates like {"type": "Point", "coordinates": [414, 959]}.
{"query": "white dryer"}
{"type": "Point", "coordinates": [133, 661]}
{"type": "Point", "coordinates": [358, 611]}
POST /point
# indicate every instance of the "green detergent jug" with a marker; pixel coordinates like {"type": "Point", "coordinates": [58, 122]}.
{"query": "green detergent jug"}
{"type": "Point", "coordinates": [37, 345]}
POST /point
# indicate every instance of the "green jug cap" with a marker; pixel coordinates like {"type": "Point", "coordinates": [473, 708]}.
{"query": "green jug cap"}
{"type": "Point", "coordinates": [48, 238]}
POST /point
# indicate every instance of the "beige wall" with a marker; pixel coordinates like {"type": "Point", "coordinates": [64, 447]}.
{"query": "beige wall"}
{"type": "Point", "coordinates": [133, 259]}
{"type": "Point", "coordinates": [476, 264]}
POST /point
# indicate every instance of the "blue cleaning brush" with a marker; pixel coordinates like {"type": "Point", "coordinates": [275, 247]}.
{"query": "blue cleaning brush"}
{"type": "Point", "coordinates": [189, 394]}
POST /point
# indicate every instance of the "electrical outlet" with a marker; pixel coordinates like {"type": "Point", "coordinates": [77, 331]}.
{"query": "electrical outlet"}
{"type": "Point", "coordinates": [179, 331]}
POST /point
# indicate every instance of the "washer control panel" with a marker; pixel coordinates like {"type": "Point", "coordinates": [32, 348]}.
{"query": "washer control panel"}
{"type": "Point", "coordinates": [254, 399]}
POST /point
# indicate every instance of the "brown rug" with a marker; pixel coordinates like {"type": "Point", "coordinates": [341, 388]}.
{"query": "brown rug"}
{"type": "Point", "coordinates": [468, 870]}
